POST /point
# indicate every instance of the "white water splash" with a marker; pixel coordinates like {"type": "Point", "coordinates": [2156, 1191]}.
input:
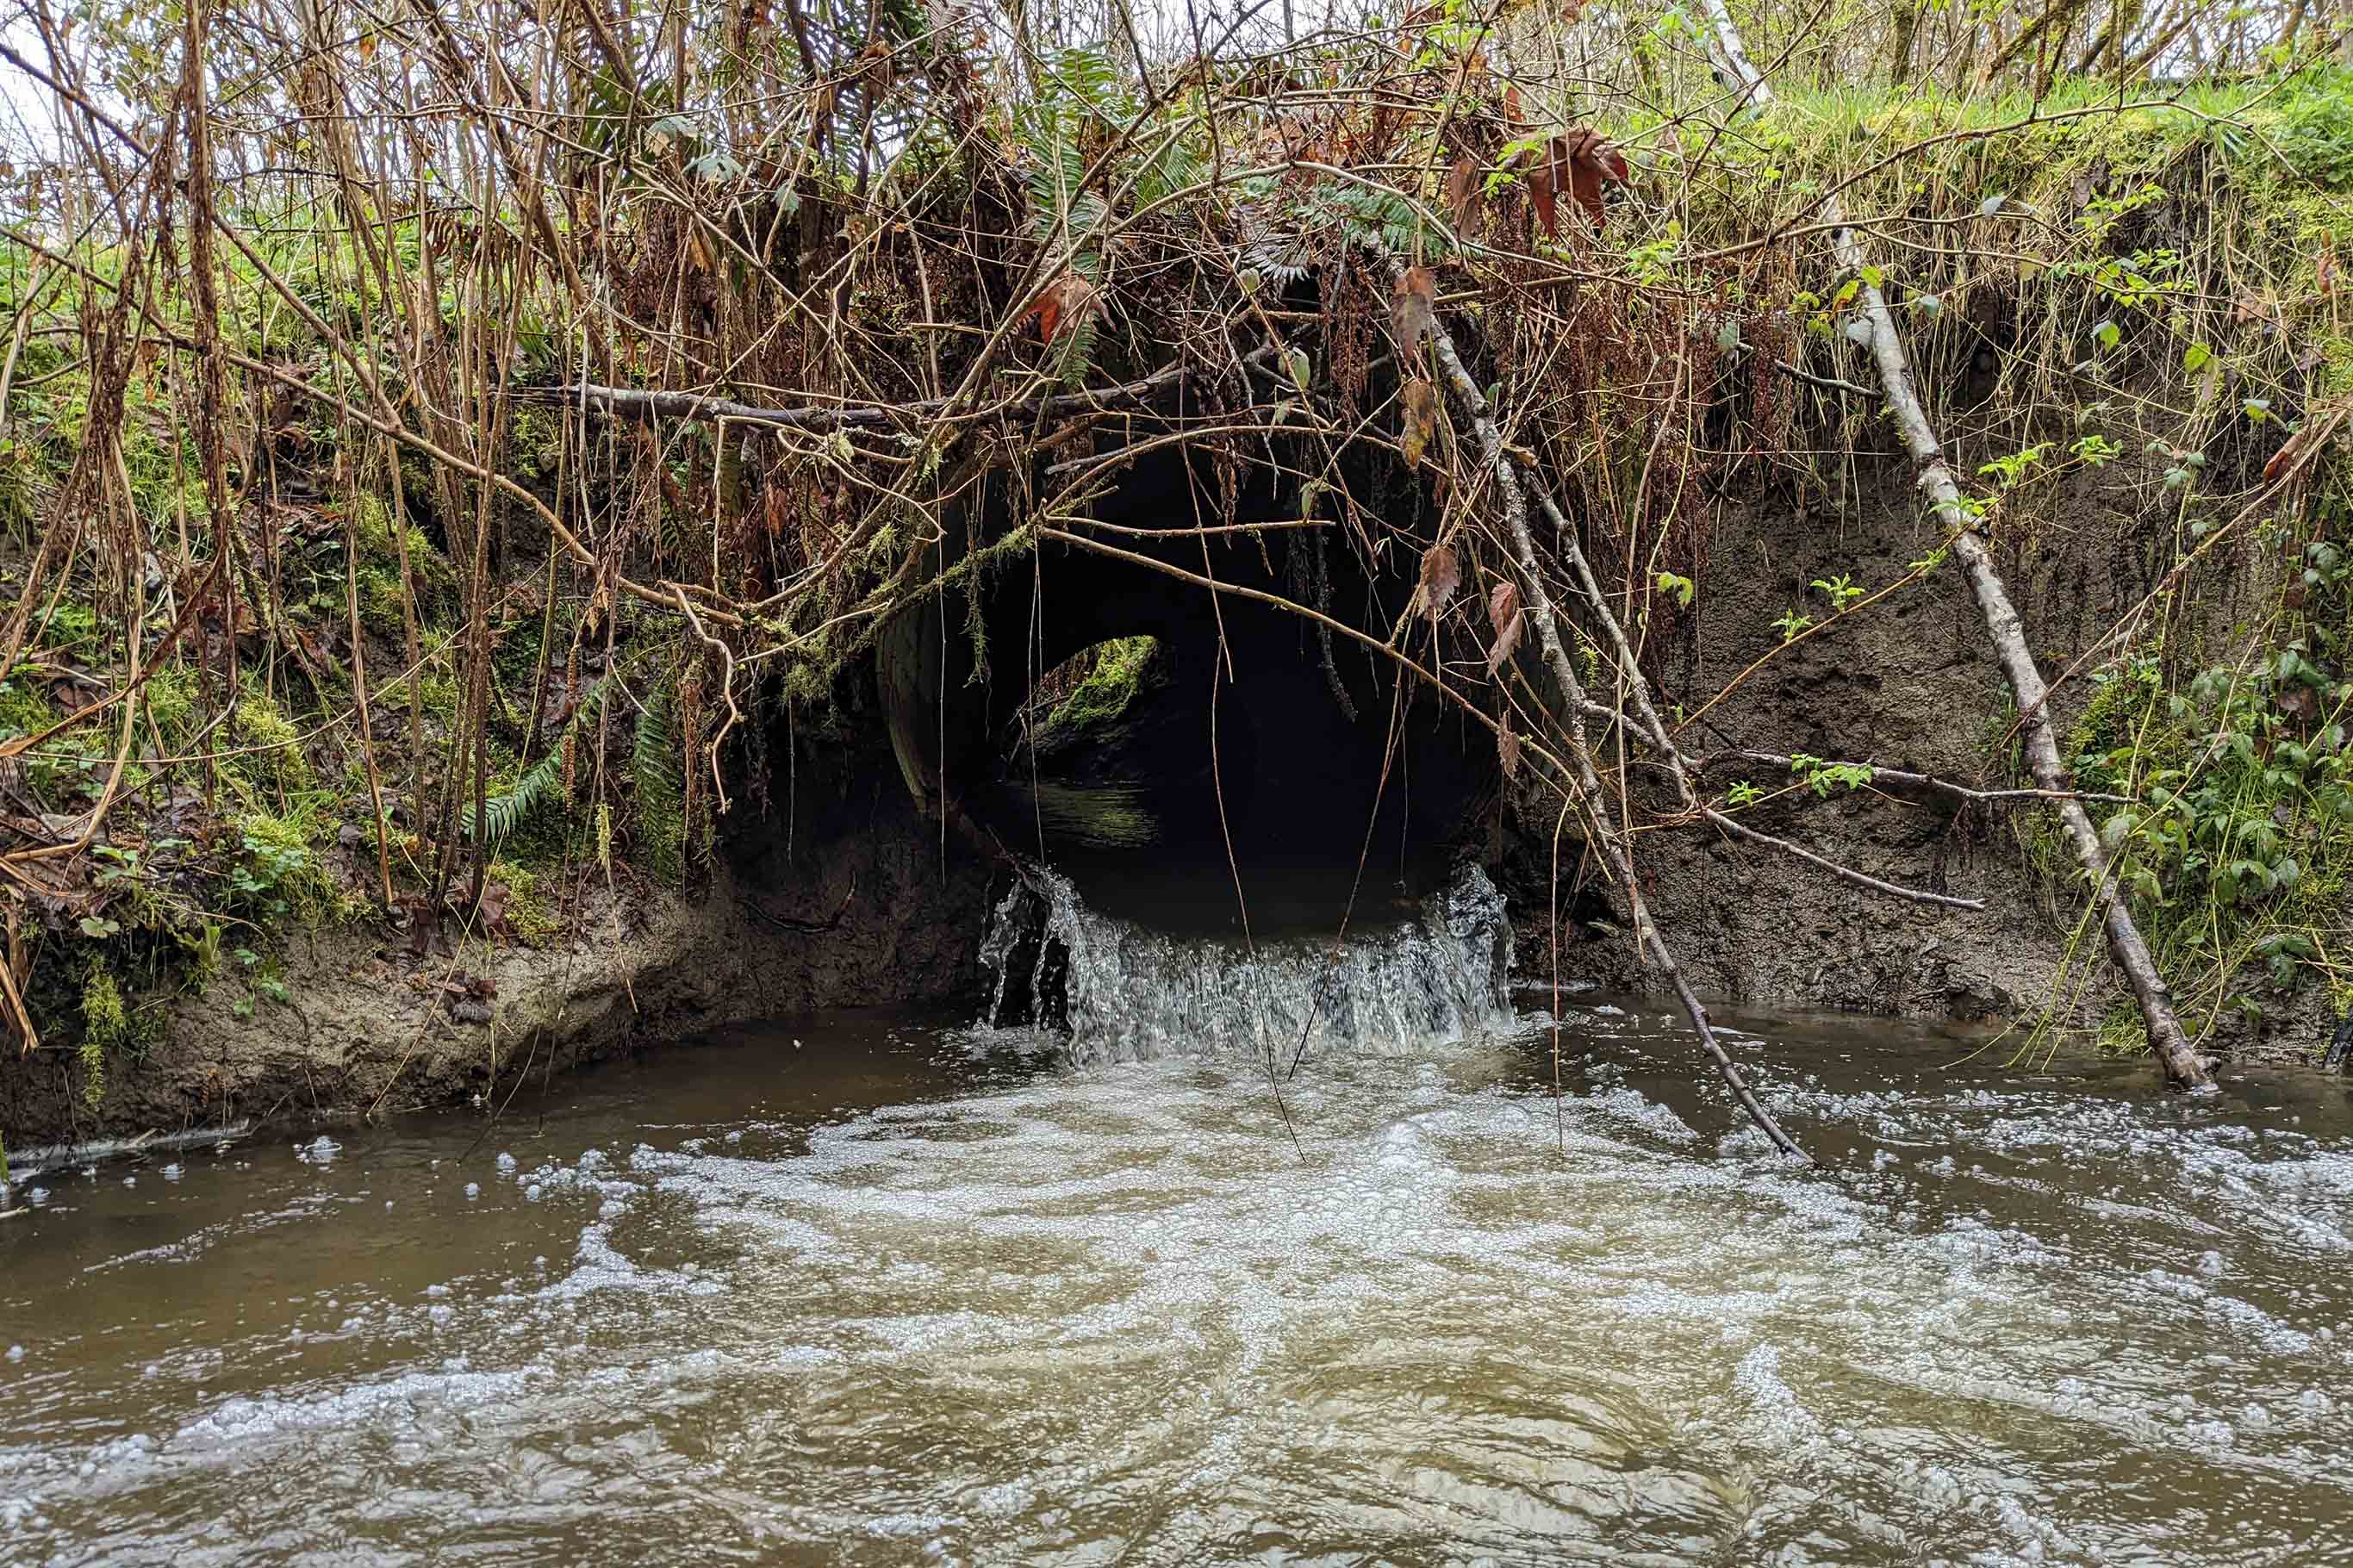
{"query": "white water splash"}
{"type": "Point", "coordinates": [1129, 993]}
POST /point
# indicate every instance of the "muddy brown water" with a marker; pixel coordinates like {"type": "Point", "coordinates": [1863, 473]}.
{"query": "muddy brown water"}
{"type": "Point", "coordinates": [883, 1290]}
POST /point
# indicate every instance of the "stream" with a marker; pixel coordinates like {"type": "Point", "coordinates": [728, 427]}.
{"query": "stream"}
{"type": "Point", "coordinates": [887, 1288]}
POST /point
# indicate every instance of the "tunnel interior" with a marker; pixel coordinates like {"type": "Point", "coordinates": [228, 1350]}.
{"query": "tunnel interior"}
{"type": "Point", "coordinates": [1230, 763]}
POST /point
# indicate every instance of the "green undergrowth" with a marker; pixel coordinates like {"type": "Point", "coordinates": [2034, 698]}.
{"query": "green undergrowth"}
{"type": "Point", "coordinates": [2235, 853]}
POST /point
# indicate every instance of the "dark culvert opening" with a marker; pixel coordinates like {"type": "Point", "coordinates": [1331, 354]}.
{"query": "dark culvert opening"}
{"type": "Point", "coordinates": [1182, 754]}
{"type": "Point", "coordinates": [1165, 813]}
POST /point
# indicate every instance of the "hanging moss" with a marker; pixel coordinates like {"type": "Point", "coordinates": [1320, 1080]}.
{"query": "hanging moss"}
{"type": "Point", "coordinates": [105, 1028]}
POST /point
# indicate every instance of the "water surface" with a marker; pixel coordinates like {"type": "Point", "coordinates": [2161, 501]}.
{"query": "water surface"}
{"type": "Point", "coordinates": [885, 1290]}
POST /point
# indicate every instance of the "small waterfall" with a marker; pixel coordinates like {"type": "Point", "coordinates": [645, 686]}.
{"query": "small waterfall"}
{"type": "Point", "coordinates": [1125, 992]}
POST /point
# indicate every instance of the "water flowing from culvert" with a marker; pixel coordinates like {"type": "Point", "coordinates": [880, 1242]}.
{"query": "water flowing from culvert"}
{"type": "Point", "coordinates": [887, 1291]}
{"type": "Point", "coordinates": [1125, 992]}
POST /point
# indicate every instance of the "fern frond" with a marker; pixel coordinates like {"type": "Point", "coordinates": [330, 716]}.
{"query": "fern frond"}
{"type": "Point", "coordinates": [505, 811]}
{"type": "Point", "coordinates": [660, 787]}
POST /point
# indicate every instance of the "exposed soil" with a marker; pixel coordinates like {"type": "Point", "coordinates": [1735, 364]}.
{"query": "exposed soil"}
{"type": "Point", "coordinates": [1911, 683]}
{"type": "Point", "coordinates": [850, 899]}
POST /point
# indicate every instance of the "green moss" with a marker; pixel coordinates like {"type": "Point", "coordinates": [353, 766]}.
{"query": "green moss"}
{"type": "Point", "coordinates": [379, 567]}
{"type": "Point", "coordinates": [271, 744]}
{"type": "Point", "coordinates": [24, 709]}
{"type": "Point", "coordinates": [172, 697]}
{"type": "Point", "coordinates": [280, 872]}
{"type": "Point", "coordinates": [529, 911]}
{"type": "Point", "coordinates": [106, 1028]}
{"type": "Point", "coordinates": [1122, 667]}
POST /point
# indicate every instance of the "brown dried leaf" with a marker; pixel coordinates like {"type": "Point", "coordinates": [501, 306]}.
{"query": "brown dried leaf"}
{"type": "Point", "coordinates": [1463, 188]}
{"type": "Point", "coordinates": [1504, 615]}
{"type": "Point", "coordinates": [1508, 752]}
{"type": "Point", "coordinates": [1062, 306]}
{"type": "Point", "coordinates": [1584, 158]}
{"type": "Point", "coordinates": [1541, 194]}
{"type": "Point", "coordinates": [2319, 427]}
{"type": "Point", "coordinates": [1420, 418]}
{"type": "Point", "coordinates": [1441, 575]}
{"type": "Point", "coordinates": [1413, 309]}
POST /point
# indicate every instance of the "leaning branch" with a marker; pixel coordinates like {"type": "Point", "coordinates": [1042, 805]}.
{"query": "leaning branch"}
{"type": "Point", "coordinates": [2185, 1067]}
{"type": "Point", "coordinates": [631, 403]}
{"type": "Point", "coordinates": [1584, 779]}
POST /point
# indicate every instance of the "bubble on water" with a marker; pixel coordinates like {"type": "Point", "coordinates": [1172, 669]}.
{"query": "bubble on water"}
{"type": "Point", "coordinates": [533, 1191]}
{"type": "Point", "coordinates": [16, 1352]}
{"type": "Point", "coordinates": [506, 1163]}
{"type": "Point", "coordinates": [321, 1150]}
{"type": "Point", "coordinates": [36, 1197]}
{"type": "Point", "coordinates": [2210, 1264]}
{"type": "Point", "coordinates": [473, 1189]}
{"type": "Point", "coordinates": [170, 1173]}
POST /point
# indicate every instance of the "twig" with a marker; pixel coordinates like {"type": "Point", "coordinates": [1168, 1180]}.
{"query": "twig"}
{"type": "Point", "coordinates": [1829, 382]}
{"type": "Point", "coordinates": [629, 403]}
{"type": "Point", "coordinates": [1884, 774]}
{"type": "Point", "coordinates": [726, 688]}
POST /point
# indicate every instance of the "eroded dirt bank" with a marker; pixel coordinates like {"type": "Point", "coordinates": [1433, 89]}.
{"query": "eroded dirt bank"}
{"type": "Point", "coordinates": [847, 899]}
{"type": "Point", "coordinates": [1910, 684]}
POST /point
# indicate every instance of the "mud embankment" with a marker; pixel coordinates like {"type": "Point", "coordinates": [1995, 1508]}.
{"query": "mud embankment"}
{"type": "Point", "coordinates": [842, 897]}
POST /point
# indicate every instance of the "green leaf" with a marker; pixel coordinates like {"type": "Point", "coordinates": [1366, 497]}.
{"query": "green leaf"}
{"type": "Point", "coordinates": [1302, 370]}
{"type": "Point", "coordinates": [2196, 357]}
{"type": "Point", "coordinates": [2108, 334]}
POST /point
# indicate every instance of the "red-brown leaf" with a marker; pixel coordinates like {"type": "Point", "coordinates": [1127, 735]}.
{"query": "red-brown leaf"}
{"type": "Point", "coordinates": [1062, 305]}
{"type": "Point", "coordinates": [1441, 575]}
{"type": "Point", "coordinates": [2319, 427]}
{"type": "Point", "coordinates": [1507, 751]}
{"type": "Point", "coordinates": [1462, 192]}
{"type": "Point", "coordinates": [1583, 161]}
{"type": "Point", "coordinates": [1541, 196]}
{"type": "Point", "coordinates": [1504, 615]}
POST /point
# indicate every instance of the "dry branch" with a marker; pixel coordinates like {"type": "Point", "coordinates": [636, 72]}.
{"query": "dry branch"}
{"type": "Point", "coordinates": [1584, 779]}
{"type": "Point", "coordinates": [629, 403]}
